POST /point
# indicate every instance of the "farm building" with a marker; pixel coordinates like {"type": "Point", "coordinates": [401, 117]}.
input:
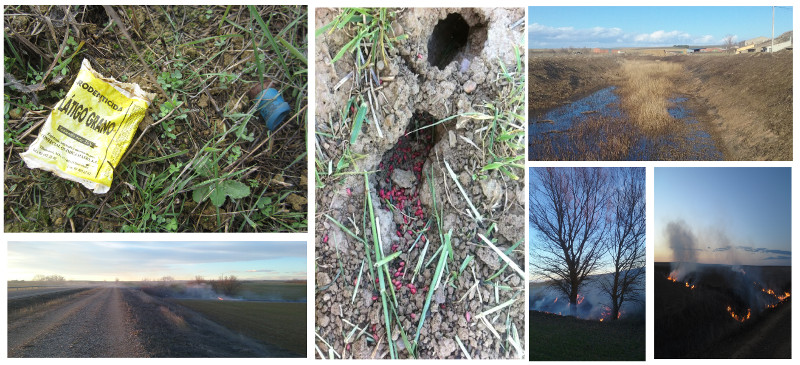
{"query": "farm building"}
{"type": "Point", "coordinates": [746, 49]}
{"type": "Point", "coordinates": [755, 41]}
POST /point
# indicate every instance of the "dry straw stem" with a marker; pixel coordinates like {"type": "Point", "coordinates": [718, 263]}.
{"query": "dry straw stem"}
{"type": "Point", "coordinates": [503, 256]}
{"type": "Point", "coordinates": [477, 215]}
{"type": "Point", "coordinates": [463, 349]}
{"type": "Point", "coordinates": [495, 309]}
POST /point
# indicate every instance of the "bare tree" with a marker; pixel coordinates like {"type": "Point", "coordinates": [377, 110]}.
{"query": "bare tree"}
{"type": "Point", "coordinates": [568, 211]}
{"type": "Point", "coordinates": [228, 285]}
{"type": "Point", "coordinates": [729, 42]}
{"type": "Point", "coordinates": [626, 239]}
{"type": "Point", "coordinates": [50, 278]}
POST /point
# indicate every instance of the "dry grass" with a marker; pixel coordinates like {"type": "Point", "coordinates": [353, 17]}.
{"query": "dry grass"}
{"type": "Point", "coordinates": [557, 79]}
{"type": "Point", "coordinates": [646, 89]}
{"type": "Point", "coordinates": [595, 139]}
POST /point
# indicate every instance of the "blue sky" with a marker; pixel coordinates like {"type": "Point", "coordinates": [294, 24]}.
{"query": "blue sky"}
{"type": "Point", "coordinates": [736, 215]}
{"type": "Point", "coordinates": [535, 237]}
{"type": "Point", "coordinates": [646, 26]}
{"type": "Point", "coordinates": [138, 260]}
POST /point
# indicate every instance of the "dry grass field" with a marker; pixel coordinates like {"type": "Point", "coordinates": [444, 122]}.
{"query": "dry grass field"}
{"type": "Point", "coordinates": [731, 107]}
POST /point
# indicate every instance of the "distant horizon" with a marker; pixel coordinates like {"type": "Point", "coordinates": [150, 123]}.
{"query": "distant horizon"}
{"type": "Point", "coordinates": [154, 260]}
{"type": "Point", "coordinates": [554, 27]}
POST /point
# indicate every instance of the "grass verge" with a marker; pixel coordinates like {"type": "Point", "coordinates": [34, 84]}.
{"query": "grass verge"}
{"type": "Point", "coordinates": [279, 324]}
{"type": "Point", "coordinates": [559, 338]}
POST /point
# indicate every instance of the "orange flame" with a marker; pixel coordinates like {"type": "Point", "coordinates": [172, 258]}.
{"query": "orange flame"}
{"type": "Point", "coordinates": [220, 298]}
{"type": "Point", "coordinates": [737, 317]}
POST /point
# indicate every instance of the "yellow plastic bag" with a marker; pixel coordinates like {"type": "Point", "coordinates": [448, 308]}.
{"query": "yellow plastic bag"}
{"type": "Point", "coordinates": [89, 130]}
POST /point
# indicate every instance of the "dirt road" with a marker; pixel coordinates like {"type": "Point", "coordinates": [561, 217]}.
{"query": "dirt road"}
{"type": "Point", "coordinates": [93, 323]}
{"type": "Point", "coordinates": [123, 322]}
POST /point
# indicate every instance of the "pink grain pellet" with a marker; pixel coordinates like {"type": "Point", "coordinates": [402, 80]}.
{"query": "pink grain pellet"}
{"type": "Point", "coordinates": [325, 239]}
{"type": "Point", "coordinates": [413, 316]}
{"type": "Point", "coordinates": [402, 263]}
{"type": "Point", "coordinates": [469, 316]}
{"type": "Point", "coordinates": [374, 297]}
{"type": "Point", "coordinates": [349, 192]}
{"type": "Point", "coordinates": [413, 290]}
{"type": "Point", "coordinates": [398, 274]}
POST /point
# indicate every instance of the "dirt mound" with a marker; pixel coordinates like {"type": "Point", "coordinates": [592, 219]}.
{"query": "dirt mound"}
{"type": "Point", "coordinates": [454, 62]}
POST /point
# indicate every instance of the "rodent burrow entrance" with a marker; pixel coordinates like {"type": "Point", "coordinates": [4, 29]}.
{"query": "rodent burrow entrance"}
{"type": "Point", "coordinates": [453, 36]}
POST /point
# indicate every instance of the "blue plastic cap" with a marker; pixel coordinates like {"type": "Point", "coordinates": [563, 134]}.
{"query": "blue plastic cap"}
{"type": "Point", "coordinates": [272, 108]}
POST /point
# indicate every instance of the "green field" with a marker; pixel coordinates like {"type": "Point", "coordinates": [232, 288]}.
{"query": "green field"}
{"type": "Point", "coordinates": [288, 291]}
{"type": "Point", "coordinates": [561, 338]}
{"type": "Point", "coordinates": [279, 324]}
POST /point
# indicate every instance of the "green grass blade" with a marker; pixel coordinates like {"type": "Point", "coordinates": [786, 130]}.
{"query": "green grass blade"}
{"type": "Point", "coordinates": [362, 111]}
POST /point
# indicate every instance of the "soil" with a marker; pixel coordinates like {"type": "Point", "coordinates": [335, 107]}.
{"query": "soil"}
{"type": "Point", "coordinates": [426, 87]}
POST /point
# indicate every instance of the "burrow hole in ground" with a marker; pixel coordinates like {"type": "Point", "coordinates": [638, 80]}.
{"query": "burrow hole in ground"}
{"type": "Point", "coordinates": [453, 39]}
{"type": "Point", "coordinates": [399, 185]}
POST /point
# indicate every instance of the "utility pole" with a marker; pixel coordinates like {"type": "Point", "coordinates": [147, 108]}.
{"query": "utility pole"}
{"type": "Point", "coordinates": [772, 47]}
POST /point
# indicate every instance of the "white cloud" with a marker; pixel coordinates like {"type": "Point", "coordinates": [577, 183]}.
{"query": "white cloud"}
{"type": "Point", "coordinates": [544, 36]}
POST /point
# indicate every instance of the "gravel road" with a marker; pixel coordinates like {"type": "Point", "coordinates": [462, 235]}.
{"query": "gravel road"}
{"type": "Point", "coordinates": [93, 323]}
{"type": "Point", "coordinates": [121, 322]}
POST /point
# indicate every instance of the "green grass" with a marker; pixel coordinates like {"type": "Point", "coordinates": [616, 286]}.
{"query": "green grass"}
{"type": "Point", "coordinates": [561, 338]}
{"type": "Point", "coordinates": [285, 290]}
{"type": "Point", "coordinates": [279, 324]}
{"type": "Point", "coordinates": [201, 160]}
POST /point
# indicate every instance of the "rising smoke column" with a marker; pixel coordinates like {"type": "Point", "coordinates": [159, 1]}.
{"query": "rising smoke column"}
{"type": "Point", "coordinates": [683, 244]}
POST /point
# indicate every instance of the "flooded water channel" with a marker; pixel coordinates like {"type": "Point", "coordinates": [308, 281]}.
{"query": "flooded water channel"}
{"type": "Point", "coordinates": [558, 133]}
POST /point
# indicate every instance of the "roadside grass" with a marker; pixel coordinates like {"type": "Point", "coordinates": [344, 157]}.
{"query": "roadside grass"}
{"type": "Point", "coordinates": [282, 290]}
{"type": "Point", "coordinates": [560, 338]}
{"type": "Point", "coordinates": [279, 324]}
{"type": "Point", "coordinates": [201, 161]}
{"type": "Point", "coordinates": [29, 305]}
